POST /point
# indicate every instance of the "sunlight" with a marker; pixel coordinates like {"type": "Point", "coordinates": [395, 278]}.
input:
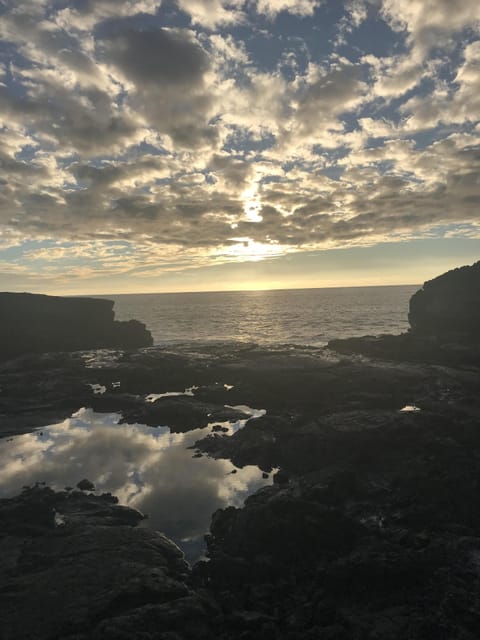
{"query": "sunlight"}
{"type": "Point", "coordinates": [252, 204]}
{"type": "Point", "coordinates": [249, 250]}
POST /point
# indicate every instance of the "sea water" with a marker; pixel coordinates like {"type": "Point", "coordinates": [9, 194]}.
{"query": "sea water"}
{"type": "Point", "coordinates": [293, 316]}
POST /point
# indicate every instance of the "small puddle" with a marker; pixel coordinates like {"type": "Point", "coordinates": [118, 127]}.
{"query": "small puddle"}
{"type": "Point", "coordinates": [98, 389]}
{"type": "Point", "coordinates": [248, 411]}
{"type": "Point", "coordinates": [101, 358]}
{"type": "Point", "coordinates": [153, 397]}
{"type": "Point", "coordinates": [410, 408]}
{"type": "Point", "coordinates": [148, 468]}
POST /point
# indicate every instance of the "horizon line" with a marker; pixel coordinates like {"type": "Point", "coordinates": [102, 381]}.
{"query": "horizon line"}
{"type": "Point", "coordinates": [155, 293]}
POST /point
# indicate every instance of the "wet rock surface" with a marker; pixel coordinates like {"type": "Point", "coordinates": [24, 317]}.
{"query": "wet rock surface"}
{"type": "Point", "coordinates": [180, 414]}
{"type": "Point", "coordinates": [376, 537]}
{"type": "Point", "coordinates": [38, 390]}
{"type": "Point", "coordinates": [76, 565]}
{"type": "Point", "coordinates": [452, 350]}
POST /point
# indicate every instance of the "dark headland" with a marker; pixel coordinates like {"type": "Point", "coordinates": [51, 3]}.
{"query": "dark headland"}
{"type": "Point", "coordinates": [371, 530]}
{"type": "Point", "coordinates": [32, 323]}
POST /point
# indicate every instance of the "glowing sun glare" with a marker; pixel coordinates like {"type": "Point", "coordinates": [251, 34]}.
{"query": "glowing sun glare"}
{"type": "Point", "coordinates": [248, 250]}
{"type": "Point", "coordinates": [252, 204]}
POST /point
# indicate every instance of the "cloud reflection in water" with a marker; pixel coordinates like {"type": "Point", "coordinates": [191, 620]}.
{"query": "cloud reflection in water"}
{"type": "Point", "coordinates": [148, 468]}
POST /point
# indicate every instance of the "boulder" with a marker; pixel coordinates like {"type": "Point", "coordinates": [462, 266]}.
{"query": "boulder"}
{"type": "Point", "coordinates": [85, 485]}
{"type": "Point", "coordinates": [31, 323]}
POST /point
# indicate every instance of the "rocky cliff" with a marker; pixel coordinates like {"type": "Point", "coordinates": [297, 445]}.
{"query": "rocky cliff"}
{"type": "Point", "coordinates": [444, 317]}
{"type": "Point", "coordinates": [448, 304]}
{"type": "Point", "coordinates": [31, 323]}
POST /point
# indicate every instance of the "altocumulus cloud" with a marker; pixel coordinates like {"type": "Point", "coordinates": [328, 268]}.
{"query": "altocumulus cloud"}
{"type": "Point", "coordinates": [171, 134]}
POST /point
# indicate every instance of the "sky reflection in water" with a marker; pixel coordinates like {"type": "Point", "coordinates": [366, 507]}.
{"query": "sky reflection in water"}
{"type": "Point", "coordinates": [148, 468]}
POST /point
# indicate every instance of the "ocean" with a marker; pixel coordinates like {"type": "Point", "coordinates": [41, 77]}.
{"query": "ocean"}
{"type": "Point", "coordinates": [292, 316]}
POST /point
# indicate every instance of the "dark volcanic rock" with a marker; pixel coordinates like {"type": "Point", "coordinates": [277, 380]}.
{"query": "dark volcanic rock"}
{"type": "Point", "coordinates": [31, 323]}
{"type": "Point", "coordinates": [376, 537]}
{"type": "Point", "coordinates": [180, 413]}
{"type": "Point", "coordinates": [410, 347]}
{"type": "Point", "coordinates": [40, 389]}
{"type": "Point", "coordinates": [284, 529]}
{"type": "Point", "coordinates": [85, 485]}
{"type": "Point", "coordinates": [77, 566]}
{"type": "Point", "coordinates": [448, 304]}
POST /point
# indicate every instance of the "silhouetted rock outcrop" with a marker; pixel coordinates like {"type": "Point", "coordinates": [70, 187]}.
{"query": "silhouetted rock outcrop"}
{"type": "Point", "coordinates": [449, 304]}
{"type": "Point", "coordinates": [31, 323]}
{"type": "Point", "coordinates": [445, 324]}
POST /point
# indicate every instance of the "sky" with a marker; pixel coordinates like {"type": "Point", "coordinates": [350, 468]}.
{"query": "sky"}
{"type": "Point", "coordinates": [153, 145]}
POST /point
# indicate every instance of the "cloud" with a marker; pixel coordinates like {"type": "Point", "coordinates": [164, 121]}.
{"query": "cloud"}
{"type": "Point", "coordinates": [213, 13]}
{"type": "Point", "coordinates": [327, 94]}
{"type": "Point", "coordinates": [431, 23]}
{"type": "Point", "coordinates": [89, 124]}
{"type": "Point", "coordinates": [89, 13]}
{"type": "Point", "coordinates": [156, 57]}
{"type": "Point", "coordinates": [356, 12]}
{"type": "Point", "coordinates": [378, 127]}
{"type": "Point", "coordinates": [272, 8]}
{"type": "Point", "coordinates": [234, 172]}
{"type": "Point", "coordinates": [168, 146]}
{"type": "Point", "coordinates": [166, 72]}
{"type": "Point", "coordinates": [457, 103]}
{"type": "Point", "coordinates": [123, 175]}
{"type": "Point", "coordinates": [62, 96]}
{"type": "Point", "coordinates": [395, 75]}
{"type": "Point", "coordinates": [51, 51]}
{"type": "Point", "coordinates": [428, 26]}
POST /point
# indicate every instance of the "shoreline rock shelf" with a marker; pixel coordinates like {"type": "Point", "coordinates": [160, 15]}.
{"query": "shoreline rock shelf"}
{"type": "Point", "coordinates": [33, 323]}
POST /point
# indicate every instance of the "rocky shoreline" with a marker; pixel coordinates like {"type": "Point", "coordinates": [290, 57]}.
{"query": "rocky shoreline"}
{"type": "Point", "coordinates": [371, 529]}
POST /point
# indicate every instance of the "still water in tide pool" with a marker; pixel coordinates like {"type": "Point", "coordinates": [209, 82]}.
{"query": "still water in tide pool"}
{"type": "Point", "coordinates": [150, 469]}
